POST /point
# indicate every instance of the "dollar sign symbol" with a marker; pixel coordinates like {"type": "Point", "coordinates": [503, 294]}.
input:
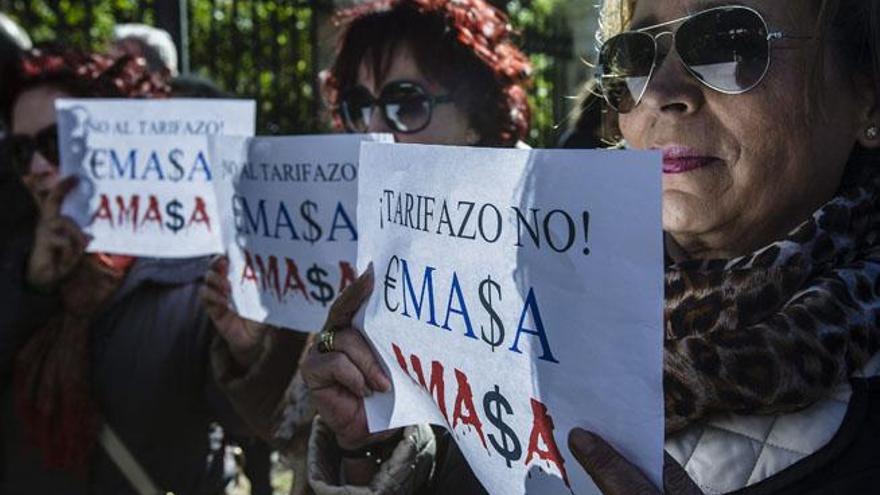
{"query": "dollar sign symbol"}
{"type": "Point", "coordinates": [486, 300]}
{"type": "Point", "coordinates": [509, 448]}
{"type": "Point", "coordinates": [314, 231]}
{"type": "Point", "coordinates": [173, 210]}
{"type": "Point", "coordinates": [316, 275]}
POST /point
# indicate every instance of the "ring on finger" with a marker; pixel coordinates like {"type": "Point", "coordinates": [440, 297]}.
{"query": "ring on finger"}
{"type": "Point", "coordinates": [326, 340]}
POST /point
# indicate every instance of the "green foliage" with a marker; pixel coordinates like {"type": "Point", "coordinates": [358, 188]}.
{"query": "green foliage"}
{"type": "Point", "coordinates": [265, 49]}
{"type": "Point", "coordinates": [539, 22]}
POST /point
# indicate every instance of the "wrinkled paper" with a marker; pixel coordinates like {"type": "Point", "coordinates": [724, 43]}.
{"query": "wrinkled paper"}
{"type": "Point", "coordinates": [145, 175]}
{"type": "Point", "coordinates": [518, 294]}
{"type": "Point", "coordinates": [289, 210]}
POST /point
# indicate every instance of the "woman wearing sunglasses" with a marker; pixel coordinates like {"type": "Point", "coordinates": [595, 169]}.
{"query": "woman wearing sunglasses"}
{"type": "Point", "coordinates": [95, 341]}
{"type": "Point", "coordinates": [430, 72]}
{"type": "Point", "coordinates": [768, 118]}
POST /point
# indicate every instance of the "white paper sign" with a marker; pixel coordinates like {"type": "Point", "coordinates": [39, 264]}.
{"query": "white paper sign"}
{"type": "Point", "coordinates": [145, 176]}
{"type": "Point", "coordinates": [288, 206]}
{"type": "Point", "coordinates": [518, 295]}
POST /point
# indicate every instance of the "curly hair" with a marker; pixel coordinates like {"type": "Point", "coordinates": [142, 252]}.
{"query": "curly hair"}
{"type": "Point", "coordinates": [464, 45]}
{"type": "Point", "coordinates": [83, 75]}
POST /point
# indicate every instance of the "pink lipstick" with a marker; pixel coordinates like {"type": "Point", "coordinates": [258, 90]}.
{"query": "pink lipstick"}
{"type": "Point", "coordinates": [680, 159]}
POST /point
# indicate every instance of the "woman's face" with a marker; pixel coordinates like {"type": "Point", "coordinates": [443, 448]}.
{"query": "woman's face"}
{"type": "Point", "coordinates": [761, 168]}
{"type": "Point", "coordinates": [32, 112]}
{"type": "Point", "coordinates": [449, 124]}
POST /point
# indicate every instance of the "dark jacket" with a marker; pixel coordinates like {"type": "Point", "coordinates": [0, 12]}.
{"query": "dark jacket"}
{"type": "Point", "coordinates": [151, 379]}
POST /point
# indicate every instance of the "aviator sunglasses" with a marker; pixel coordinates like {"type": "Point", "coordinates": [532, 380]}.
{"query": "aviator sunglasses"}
{"type": "Point", "coordinates": [406, 107]}
{"type": "Point", "coordinates": [21, 149]}
{"type": "Point", "coordinates": [725, 48]}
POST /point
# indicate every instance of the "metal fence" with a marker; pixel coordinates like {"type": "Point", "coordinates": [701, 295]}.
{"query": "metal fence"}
{"type": "Point", "coordinates": [268, 50]}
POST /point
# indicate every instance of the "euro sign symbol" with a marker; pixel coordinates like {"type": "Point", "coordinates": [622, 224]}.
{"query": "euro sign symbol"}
{"type": "Point", "coordinates": [509, 448]}
{"type": "Point", "coordinates": [173, 210]}
{"type": "Point", "coordinates": [494, 340]}
{"type": "Point", "coordinates": [307, 209]}
{"type": "Point", "coordinates": [316, 276]}
{"type": "Point", "coordinates": [390, 283]}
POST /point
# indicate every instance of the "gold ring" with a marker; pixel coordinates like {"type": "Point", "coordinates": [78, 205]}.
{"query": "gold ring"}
{"type": "Point", "coordinates": [325, 341]}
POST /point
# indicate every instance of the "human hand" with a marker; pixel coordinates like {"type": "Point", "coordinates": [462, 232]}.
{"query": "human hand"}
{"type": "Point", "coordinates": [244, 337]}
{"type": "Point", "coordinates": [614, 475]}
{"type": "Point", "coordinates": [59, 243]}
{"type": "Point", "coordinates": [340, 379]}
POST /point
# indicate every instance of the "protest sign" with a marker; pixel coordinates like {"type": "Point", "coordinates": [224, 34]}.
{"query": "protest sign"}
{"type": "Point", "coordinates": [288, 206]}
{"type": "Point", "coordinates": [518, 294]}
{"type": "Point", "coordinates": [145, 176]}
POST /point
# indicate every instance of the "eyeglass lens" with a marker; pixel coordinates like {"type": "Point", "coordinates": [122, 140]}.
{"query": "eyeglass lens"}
{"type": "Point", "coordinates": [22, 148]}
{"type": "Point", "coordinates": [727, 49]}
{"type": "Point", "coordinates": [405, 106]}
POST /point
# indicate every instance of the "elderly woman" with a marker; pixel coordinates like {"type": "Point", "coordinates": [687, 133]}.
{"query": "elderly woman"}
{"type": "Point", "coordinates": [103, 358]}
{"type": "Point", "coordinates": [430, 72]}
{"type": "Point", "coordinates": [767, 116]}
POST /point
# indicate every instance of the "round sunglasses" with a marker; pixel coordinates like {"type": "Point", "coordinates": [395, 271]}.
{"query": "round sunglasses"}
{"type": "Point", "coordinates": [406, 107]}
{"type": "Point", "coordinates": [21, 149]}
{"type": "Point", "coordinates": [726, 48]}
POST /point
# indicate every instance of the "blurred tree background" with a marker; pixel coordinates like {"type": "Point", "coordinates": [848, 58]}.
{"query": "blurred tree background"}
{"type": "Point", "coordinates": [274, 50]}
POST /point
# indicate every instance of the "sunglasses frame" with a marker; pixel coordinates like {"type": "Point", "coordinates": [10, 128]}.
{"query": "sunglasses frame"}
{"type": "Point", "coordinates": [381, 104]}
{"type": "Point", "coordinates": [34, 143]}
{"type": "Point", "coordinates": [770, 38]}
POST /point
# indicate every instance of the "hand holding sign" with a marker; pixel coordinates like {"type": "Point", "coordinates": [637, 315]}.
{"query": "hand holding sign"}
{"type": "Point", "coordinates": [58, 242]}
{"type": "Point", "coordinates": [339, 380]}
{"type": "Point", "coordinates": [615, 475]}
{"type": "Point", "coordinates": [519, 296]}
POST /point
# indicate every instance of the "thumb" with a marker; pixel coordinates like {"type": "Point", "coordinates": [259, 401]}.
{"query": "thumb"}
{"type": "Point", "coordinates": [611, 472]}
{"type": "Point", "coordinates": [57, 195]}
{"type": "Point", "coordinates": [351, 299]}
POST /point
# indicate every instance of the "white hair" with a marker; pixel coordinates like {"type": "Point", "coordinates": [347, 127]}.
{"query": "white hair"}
{"type": "Point", "coordinates": [157, 40]}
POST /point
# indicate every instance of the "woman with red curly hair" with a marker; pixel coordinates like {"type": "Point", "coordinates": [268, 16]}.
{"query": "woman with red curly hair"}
{"type": "Point", "coordinates": [430, 72]}
{"type": "Point", "coordinates": [93, 346]}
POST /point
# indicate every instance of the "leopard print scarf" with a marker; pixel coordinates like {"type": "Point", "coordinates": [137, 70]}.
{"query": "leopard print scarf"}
{"type": "Point", "coordinates": [776, 330]}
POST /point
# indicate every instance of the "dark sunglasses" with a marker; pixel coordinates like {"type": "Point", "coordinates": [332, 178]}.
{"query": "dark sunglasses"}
{"type": "Point", "coordinates": [725, 48]}
{"type": "Point", "coordinates": [406, 107]}
{"type": "Point", "coordinates": [21, 149]}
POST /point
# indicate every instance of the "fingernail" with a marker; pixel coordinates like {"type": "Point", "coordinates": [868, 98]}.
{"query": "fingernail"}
{"type": "Point", "coordinates": [369, 270]}
{"type": "Point", "coordinates": [384, 383]}
{"type": "Point", "coordinates": [581, 441]}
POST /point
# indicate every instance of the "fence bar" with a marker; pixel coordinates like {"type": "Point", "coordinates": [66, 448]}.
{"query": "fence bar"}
{"type": "Point", "coordinates": [255, 48]}
{"type": "Point", "coordinates": [88, 22]}
{"type": "Point", "coordinates": [61, 29]}
{"type": "Point", "coordinates": [314, 56]}
{"type": "Point", "coordinates": [212, 41]}
{"type": "Point", "coordinates": [231, 76]}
